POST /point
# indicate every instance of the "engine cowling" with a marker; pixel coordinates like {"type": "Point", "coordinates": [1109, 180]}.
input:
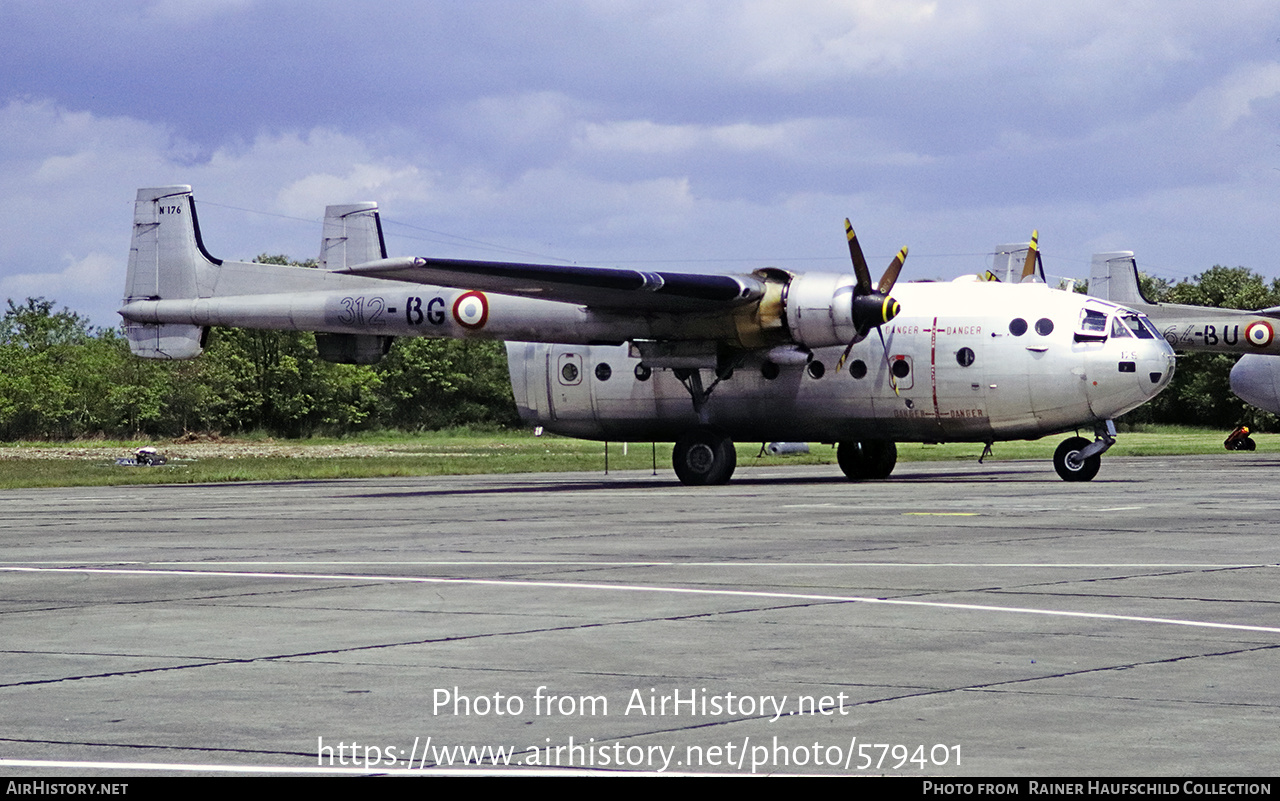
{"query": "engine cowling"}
{"type": "Point", "coordinates": [819, 309]}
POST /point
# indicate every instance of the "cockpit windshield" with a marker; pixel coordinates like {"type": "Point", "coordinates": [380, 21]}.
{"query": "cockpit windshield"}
{"type": "Point", "coordinates": [1097, 324]}
{"type": "Point", "coordinates": [1140, 326]}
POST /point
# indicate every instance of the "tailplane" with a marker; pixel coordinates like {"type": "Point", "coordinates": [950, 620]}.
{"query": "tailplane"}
{"type": "Point", "coordinates": [167, 261]}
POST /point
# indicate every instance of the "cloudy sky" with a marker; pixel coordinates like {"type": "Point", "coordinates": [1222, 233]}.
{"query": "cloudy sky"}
{"type": "Point", "coordinates": [695, 135]}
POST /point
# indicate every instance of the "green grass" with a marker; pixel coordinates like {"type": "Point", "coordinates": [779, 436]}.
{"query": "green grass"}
{"type": "Point", "coordinates": [471, 452]}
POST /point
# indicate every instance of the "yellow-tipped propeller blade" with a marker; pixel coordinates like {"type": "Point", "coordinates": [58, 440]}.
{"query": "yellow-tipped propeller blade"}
{"type": "Point", "coordinates": [1033, 253]}
{"type": "Point", "coordinates": [860, 270]}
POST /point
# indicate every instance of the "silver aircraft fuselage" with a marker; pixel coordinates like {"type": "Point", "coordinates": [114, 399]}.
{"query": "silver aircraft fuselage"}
{"type": "Point", "coordinates": [958, 378]}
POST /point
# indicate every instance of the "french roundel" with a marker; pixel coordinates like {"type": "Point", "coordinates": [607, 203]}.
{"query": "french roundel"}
{"type": "Point", "coordinates": [471, 310]}
{"type": "Point", "coordinates": [1259, 333]}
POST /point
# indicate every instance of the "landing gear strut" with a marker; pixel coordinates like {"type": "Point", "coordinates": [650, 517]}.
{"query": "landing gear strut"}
{"type": "Point", "coordinates": [867, 459]}
{"type": "Point", "coordinates": [1078, 459]}
{"type": "Point", "coordinates": [691, 378]}
{"type": "Point", "coordinates": [704, 456]}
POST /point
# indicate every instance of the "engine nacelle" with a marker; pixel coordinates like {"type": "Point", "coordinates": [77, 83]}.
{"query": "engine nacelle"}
{"type": "Point", "coordinates": [819, 309]}
{"type": "Point", "coordinates": [1256, 380]}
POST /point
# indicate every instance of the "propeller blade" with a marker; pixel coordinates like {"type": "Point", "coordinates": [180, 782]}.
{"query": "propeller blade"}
{"type": "Point", "coordinates": [1033, 254]}
{"type": "Point", "coordinates": [893, 381]}
{"type": "Point", "coordinates": [891, 272]}
{"type": "Point", "coordinates": [860, 269]}
{"type": "Point", "coordinates": [845, 355]}
{"type": "Point", "coordinates": [871, 308]}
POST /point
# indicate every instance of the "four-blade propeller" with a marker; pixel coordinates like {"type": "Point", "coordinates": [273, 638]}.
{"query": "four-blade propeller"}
{"type": "Point", "coordinates": [872, 307]}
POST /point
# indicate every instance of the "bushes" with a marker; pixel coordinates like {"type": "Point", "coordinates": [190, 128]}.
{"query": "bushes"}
{"type": "Point", "coordinates": [62, 379]}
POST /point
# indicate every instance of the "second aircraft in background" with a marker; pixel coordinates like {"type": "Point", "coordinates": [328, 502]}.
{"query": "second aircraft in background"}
{"type": "Point", "coordinates": [1255, 377]}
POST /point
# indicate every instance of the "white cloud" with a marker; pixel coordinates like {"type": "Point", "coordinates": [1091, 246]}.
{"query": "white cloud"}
{"type": "Point", "coordinates": [1234, 99]}
{"type": "Point", "coordinates": [838, 37]}
{"type": "Point", "coordinates": [68, 179]}
{"type": "Point", "coordinates": [91, 278]}
{"type": "Point", "coordinates": [361, 181]}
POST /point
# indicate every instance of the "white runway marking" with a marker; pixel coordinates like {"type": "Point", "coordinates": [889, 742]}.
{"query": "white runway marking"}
{"type": "Point", "coordinates": [579, 586]}
{"type": "Point", "coordinates": [178, 767]}
{"type": "Point", "coordinates": [648, 563]}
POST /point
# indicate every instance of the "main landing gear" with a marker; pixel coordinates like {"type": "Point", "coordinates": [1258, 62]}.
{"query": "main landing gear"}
{"type": "Point", "coordinates": [1078, 459]}
{"type": "Point", "coordinates": [867, 459]}
{"type": "Point", "coordinates": [704, 456]}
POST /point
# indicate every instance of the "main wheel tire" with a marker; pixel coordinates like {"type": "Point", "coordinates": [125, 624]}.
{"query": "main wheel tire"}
{"type": "Point", "coordinates": [884, 457]}
{"type": "Point", "coordinates": [1070, 467]}
{"type": "Point", "coordinates": [703, 457]}
{"type": "Point", "coordinates": [869, 459]}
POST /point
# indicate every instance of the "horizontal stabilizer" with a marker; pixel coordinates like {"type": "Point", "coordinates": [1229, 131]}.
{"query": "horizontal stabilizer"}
{"type": "Point", "coordinates": [166, 340]}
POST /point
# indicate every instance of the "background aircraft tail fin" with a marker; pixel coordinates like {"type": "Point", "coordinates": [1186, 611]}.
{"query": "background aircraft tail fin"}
{"type": "Point", "coordinates": [1018, 262]}
{"type": "Point", "coordinates": [1114, 277]}
{"type": "Point", "coordinates": [352, 235]}
{"type": "Point", "coordinates": [167, 261]}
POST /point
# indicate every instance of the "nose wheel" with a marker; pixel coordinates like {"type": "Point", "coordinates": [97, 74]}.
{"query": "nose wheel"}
{"type": "Point", "coordinates": [704, 456]}
{"type": "Point", "coordinates": [1078, 459]}
{"type": "Point", "coordinates": [1072, 463]}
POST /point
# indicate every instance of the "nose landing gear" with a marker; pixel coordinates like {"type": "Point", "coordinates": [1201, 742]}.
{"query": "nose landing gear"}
{"type": "Point", "coordinates": [1078, 459]}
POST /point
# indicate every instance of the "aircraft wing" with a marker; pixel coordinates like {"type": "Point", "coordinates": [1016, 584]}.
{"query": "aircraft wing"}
{"type": "Point", "coordinates": [598, 287]}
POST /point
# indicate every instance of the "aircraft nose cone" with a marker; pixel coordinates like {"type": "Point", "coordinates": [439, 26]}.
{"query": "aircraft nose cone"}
{"type": "Point", "coordinates": [1160, 365]}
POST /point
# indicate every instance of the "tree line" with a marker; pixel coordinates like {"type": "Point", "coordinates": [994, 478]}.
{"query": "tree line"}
{"type": "Point", "coordinates": [61, 378]}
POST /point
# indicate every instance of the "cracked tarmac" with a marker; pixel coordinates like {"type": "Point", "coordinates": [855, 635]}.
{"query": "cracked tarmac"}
{"type": "Point", "coordinates": [958, 619]}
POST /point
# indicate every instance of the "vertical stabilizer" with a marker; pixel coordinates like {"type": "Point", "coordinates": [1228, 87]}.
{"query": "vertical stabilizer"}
{"type": "Point", "coordinates": [167, 261]}
{"type": "Point", "coordinates": [1114, 277]}
{"type": "Point", "coordinates": [1018, 262]}
{"type": "Point", "coordinates": [352, 235]}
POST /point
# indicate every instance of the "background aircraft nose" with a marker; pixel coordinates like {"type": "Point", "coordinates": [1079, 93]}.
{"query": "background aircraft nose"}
{"type": "Point", "coordinates": [1254, 379]}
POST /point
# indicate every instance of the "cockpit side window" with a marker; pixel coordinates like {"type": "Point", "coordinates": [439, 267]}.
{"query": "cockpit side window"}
{"type": "Point", "coordinates": [1093, 321]}
{"type": "Point", "coordinates": [1118, 330]}
{"type": "Point", "coordinates": [1093, 327]}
